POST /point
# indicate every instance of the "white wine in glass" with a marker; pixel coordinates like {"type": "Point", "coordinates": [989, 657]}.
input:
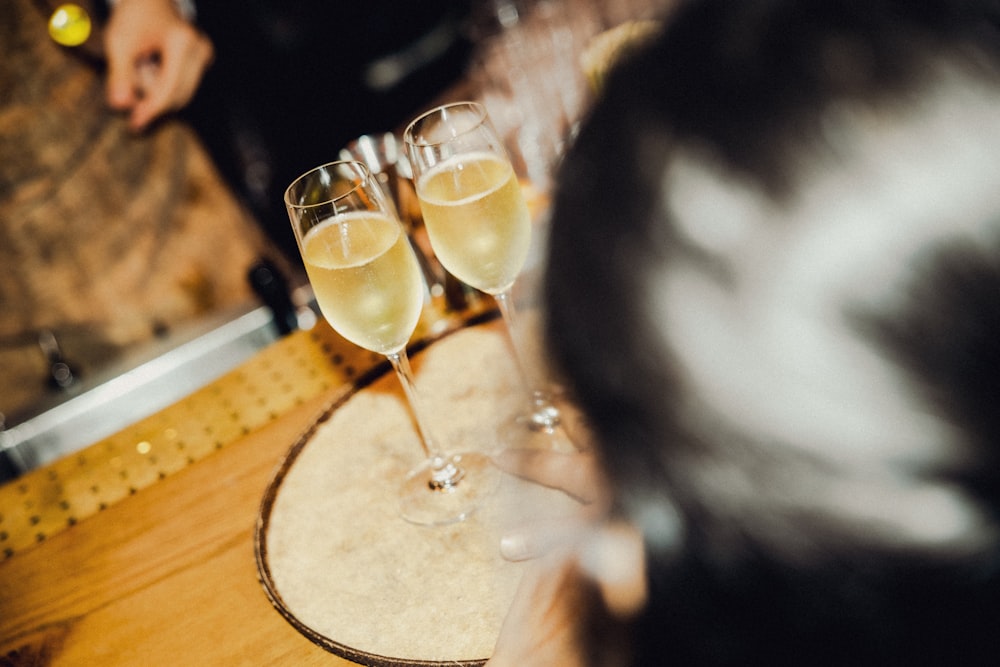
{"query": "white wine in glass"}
{"type": "Point", "coordinates": [365, 279]}
{"type": "Point", "coordinates": [476, 217]}
{"type": "Point", "coordinates": [478, 220]}
{"type": "Point", "coordinates": [369, 287]}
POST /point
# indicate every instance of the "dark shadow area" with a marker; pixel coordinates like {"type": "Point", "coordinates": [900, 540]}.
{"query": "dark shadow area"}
{"type": "Point", "coordinates": [292, 83]}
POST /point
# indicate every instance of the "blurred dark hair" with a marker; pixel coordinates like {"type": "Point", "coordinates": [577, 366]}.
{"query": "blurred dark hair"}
{"type": "Point", "coordinates": [746, 85]}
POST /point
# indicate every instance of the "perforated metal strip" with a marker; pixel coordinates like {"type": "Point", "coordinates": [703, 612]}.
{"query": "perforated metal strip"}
{"type": "Point", "coordinates": [289, 372]}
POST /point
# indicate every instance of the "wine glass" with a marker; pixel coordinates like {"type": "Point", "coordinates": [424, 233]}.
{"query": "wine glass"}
{"type": "Point", "coordinates": [369, 287]}
{"type": "Point", "coordinates": [477, 220]}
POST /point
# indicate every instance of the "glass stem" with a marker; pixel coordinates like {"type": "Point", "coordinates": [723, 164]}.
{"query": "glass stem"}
{"type": "Point", "coordinates": [543, 415]}
{"type": "Point", "coordinates": [444, 474]}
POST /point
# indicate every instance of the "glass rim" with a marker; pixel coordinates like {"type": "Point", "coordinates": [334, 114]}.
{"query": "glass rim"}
{"type": "Point", "coordinates": [478, 107]}
{"type": "Point", "coordinates": [364, 171]}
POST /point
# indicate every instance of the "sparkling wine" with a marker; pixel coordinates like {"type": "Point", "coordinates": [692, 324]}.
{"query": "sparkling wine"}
{"type": "Point", "coordinates": [477, 219]}
{"type": "Point", "coordinates": [366, 279]}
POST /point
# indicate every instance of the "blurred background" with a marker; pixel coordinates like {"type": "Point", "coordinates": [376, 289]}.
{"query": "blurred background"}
{"type": "Point", "coordinates": [143, 267]}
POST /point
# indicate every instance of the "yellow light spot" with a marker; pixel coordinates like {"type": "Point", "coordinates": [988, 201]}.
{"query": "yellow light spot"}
{"type": "Point", "coordinates": [143, 447]}
{"type": "Point", "coordinates": [69, 25]}
{"type": "Point", "coordinates": [170, 434]}
{"type": "Point", "coordinates": [116, 462]}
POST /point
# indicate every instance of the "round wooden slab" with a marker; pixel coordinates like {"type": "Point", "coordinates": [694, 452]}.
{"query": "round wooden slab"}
{"type": "Point", "coordinates": [334, 555]}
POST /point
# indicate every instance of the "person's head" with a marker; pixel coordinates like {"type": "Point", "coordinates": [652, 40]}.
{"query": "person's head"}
{"type": "Point", "coordinates": [773, 287]}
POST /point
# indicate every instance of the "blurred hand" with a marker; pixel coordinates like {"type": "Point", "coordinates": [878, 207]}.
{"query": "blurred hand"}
{"type": "Point", "coordinates": [576, 473]}
{"type": "Point", "coordinates": [569, 557]}
{"type": "Point", "coordinates": [156, 59]}
{"type": "Point", "coordinates": [542, 626]}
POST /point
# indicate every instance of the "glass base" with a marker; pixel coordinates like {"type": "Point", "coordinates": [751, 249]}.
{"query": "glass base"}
{"type": "Point", "coordinates": [539, 428]}
{"type": "Point", "coordinates": [436, 495]}
{"type": "Point", "coordinates": [544, 415]}
{"type": "Point", "coordinates": [522, 431]}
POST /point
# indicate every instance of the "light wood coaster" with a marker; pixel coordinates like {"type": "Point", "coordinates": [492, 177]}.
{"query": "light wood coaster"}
{"type": "Point", "coordinates": [334, 555]}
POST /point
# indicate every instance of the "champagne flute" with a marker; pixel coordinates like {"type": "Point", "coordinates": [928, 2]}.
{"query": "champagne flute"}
{"type": "Point", "coordinates": [477, 220]}
{"type": "Point", "coordinates": [370, 289]}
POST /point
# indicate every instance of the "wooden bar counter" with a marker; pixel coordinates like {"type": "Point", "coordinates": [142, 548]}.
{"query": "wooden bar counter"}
{"type": "Point", "coordinates": [139, 550]}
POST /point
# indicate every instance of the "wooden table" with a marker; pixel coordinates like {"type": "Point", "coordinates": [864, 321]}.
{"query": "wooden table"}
{"type": "Point", "coordinates": [139, 550]}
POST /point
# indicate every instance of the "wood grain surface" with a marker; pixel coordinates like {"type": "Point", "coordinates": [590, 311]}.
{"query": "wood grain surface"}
{"type": "Point", "coordinates": [163, 577]}
{"type": "Point", "coordinates": [161, 569]}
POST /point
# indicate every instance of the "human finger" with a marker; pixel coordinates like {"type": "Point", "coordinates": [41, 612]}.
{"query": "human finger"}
{"type": "Point", "coordinates": [172, 81]}
{"type": "Point", "coordinates": [122, 84]}
{"type": "Point", "coordinates": [544, 537]}
{"type": "Point", "coordinates": [576, 473]}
